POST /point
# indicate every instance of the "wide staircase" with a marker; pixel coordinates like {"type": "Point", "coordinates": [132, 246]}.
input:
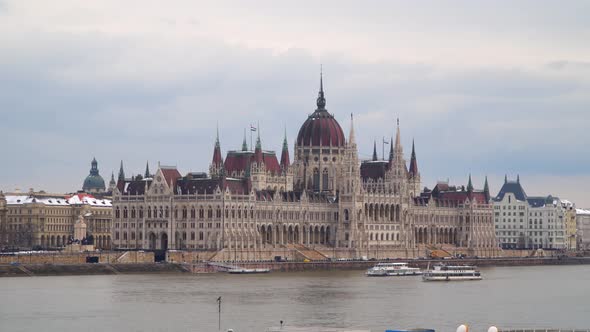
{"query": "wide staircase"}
{"type": "Point", "coordinates": [307, 253]}
{"type": "Point", "coordinates": [438, 252]}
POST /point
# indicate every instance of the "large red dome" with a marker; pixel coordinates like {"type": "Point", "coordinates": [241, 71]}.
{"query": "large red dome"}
{"type": "Point", "coordinates": [321, 128]}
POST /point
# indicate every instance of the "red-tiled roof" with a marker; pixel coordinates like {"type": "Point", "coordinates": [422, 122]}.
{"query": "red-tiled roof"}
{"type": "Point", "coordinates": [171, 175]}
{"type": "Point", "coordinates": [238, 161]}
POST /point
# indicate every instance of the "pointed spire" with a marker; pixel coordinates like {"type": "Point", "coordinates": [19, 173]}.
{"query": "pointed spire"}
{"type": "Point", "coordinates": [486, 188]}
{"type": "Point", "coordinates": [470, 184]}
{"type": "Point", "coordinates": [258, 142]}
{"type": "Point", "coordinates": [121, 172]}
{"type": "Point", "coordinates": [112, 182]}
{"type": "Point", "coordinates": [413, 161]}
{"type": "Point", "coordinates": [321, 101]}
{"type": "Point", "coordinates": [374, 150]}
{"type": "Point", "coordinates": [351, 138]}
{"type": "Point", "coordinates": [258, 151]}
{"type": "Point", "coordinates": [217, 159]}
{"type": "Point", "coordinates": [505, 178]}
{"type": "Point", "coordinates": [391, 150]}
{"type": "Point", "coordinates": [398, 143]}
{"type": "Point", "coordinates": [285, 162]}
{"type": "Point", "coordinates": [517, 178]}
{"type": "Point", "coordinates": [147, 170]}
{"type": "Point", "coordinates": [244, 143]}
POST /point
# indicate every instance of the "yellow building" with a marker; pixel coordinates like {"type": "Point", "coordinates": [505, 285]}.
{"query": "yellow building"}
{"type": "Point", "coordinates": [40, 220]}
{"type": "Point", "coordinates": [569, 221]}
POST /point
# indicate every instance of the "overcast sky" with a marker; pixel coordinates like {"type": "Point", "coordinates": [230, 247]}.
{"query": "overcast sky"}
{"type": "Point", "coordinates": [484, 87]}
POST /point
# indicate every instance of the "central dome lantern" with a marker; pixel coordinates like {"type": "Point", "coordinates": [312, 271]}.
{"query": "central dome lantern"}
{"type": "Point", "coordinates": [320, 128]}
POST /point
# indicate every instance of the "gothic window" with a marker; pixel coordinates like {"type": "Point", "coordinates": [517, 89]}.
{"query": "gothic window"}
{"type": "Point", "coordinates": [141, 212]}
{"type": "Point", "coordinates": [346, 214]}
{"type": "Point", "coordinates": [125, 215]}
{"type": "Point", "coordinates": [167, 213]}
{"type": "Point", "coordinates": [325, 179]}
{"type": "Point", "coordinates": [133, 212]}
{"type": "Point", "coordinates": [193, 213]}
{"type": "Point", "coordinates": [316, 180]}
{"type": "Point", "coordinates": [210, 213]}
{"type": "Point", "coordinates": [184, 215]}
{"type": "Point", "coordinates": [117, 213]}
{"type": "Point", "coordinates": [161, 215]}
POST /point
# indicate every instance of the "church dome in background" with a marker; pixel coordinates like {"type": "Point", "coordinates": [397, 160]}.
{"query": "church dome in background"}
{"type": "Point", "coordinates": [94, 182]}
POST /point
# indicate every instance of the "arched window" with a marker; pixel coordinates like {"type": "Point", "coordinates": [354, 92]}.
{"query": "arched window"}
{"type": "Point", "coordinates": [117, 213]}
{"type": "Point", "coordinates": [125, 214]}
{"type": "Point", "coordinates": [133, 212]}
{"type": "Point", "coordinates": [149, 210]}
{"type": "Point", "coordinates": [193, 213]}
{"type": "Point", "coordinates": [316, 180]}
{"type": "Point", "coordinates": [141, 212]}
{"type": "Point", "coordinates": [325, 179]}
{"type": "Point", "coordinates": [167, 212]}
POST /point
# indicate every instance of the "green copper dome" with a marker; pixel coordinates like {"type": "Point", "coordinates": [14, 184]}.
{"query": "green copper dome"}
{"type": "Point", "coordinates": [94, 182]}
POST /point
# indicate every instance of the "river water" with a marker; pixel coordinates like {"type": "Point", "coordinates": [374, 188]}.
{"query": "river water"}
{"type": "Point", "coordinates": [540, 296]}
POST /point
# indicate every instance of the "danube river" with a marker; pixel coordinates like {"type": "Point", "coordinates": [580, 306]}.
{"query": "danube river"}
{"type": "Point", "coordinates": [539, 296]}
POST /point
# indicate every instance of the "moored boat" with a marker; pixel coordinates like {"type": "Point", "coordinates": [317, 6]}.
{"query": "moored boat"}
{"type": "Point", "coordinates": [248, 271]}
{"type": "Point", "coordinates": [392, 270]}
{"type": "Point", "coordinates": [442, 272]}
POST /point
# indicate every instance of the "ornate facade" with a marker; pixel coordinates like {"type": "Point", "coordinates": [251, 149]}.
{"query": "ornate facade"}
{"type": "Point", "coordinates": [326, 198]}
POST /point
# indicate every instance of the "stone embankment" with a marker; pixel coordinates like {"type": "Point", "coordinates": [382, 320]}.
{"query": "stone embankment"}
{"type": "Point", "coordinates": [48, 264]}
{"type": "Point", "coordinates": [24, 270]}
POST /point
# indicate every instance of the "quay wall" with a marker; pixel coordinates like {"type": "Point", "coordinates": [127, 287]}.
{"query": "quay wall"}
{"type": "Point", "coordinates": [31, 270]}
{"type": "Point", "coordinates": [110, 257]}
{"type": "Point", "coordinates": [18, 269]}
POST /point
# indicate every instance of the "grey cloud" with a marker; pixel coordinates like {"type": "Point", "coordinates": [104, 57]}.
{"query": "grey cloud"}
{"type": "Point", "coordinates": [67, 97]}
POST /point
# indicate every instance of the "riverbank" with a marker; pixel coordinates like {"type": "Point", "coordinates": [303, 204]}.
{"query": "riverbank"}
{"type": "Point", "coordinates": [24, 270]}
{"type": "Point", "coordinates": [31, 270]}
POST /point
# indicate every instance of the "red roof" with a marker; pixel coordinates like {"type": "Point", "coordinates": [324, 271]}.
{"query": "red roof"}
{"type": "Point", "coordinates": [171, 175]}
{"type": "Point", "coordinates": [321, 128]}
{"type": "Point", "coordinates": [239, 161]}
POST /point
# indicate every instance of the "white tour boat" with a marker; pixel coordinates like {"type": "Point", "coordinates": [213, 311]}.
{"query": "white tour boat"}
{"type": "Point", "coordinates": [442, 272]}
{"type": "Point", "coordinates": [248, 271]}
{"type": "Point", "coordinates": [393, 269]}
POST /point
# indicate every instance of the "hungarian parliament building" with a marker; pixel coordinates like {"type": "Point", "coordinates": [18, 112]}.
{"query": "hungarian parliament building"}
{"type": "Point", "coordinates": [326, 198]}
